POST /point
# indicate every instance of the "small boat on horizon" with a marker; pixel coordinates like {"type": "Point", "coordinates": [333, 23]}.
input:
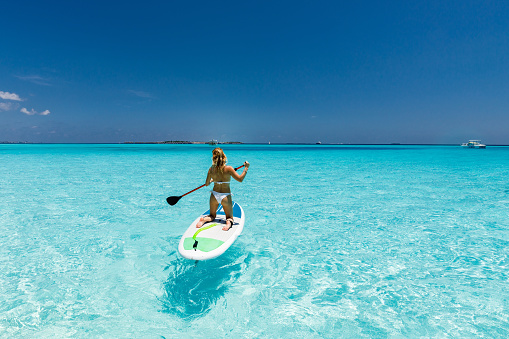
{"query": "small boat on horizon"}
{"type": "Point", "coordinates": [473, 144]}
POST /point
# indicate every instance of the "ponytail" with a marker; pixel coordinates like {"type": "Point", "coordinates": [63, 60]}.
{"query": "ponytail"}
{"type": "Point", "coordinates": [219, 159]}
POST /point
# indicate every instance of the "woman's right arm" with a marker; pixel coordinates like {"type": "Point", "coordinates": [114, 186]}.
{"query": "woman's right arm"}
{"type": "Point", "coordinates": [235, 175]}
{"type": "Point", "coordinates": [209, 177]}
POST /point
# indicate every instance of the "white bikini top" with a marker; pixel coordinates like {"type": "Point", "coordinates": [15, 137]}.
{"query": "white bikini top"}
{"type": "Point", "coordinates": [221, 182]}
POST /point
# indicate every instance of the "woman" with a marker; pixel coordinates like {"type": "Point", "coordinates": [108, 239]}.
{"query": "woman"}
{"type": "Point", "coordinates": [220, 174]}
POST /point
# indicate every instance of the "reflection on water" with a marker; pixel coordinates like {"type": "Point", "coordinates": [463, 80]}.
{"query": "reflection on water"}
{"type": "Point", "coordinates": [194, 287]}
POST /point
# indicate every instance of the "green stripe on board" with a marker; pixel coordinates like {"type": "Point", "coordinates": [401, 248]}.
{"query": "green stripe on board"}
{"type": "Point", "coordinates": [203, 228]}
{"type": "Point", "coordinates": [204, 244]}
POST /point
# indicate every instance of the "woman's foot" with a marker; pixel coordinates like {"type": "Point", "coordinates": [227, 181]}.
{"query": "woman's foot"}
{"type": "Point", "coordinates": [229, 224]}
{"type": "Point", "coordinates": [203, 220]}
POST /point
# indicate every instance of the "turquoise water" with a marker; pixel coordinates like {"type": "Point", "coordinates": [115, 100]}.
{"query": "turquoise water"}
{"type": "Point", "coordinates": [339, 241]}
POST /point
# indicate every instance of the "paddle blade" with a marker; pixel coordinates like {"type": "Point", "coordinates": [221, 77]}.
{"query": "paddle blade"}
{"type": "Point", "coordinates": [172, 200]}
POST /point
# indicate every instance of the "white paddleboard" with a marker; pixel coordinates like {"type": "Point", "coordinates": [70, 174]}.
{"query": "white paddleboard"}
{"type": "Point", "coordinates": [210, 241]}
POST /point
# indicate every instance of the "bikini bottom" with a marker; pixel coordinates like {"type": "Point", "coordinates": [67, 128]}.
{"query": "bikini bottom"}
{"type": "Point", "coordinates": [220, 196]}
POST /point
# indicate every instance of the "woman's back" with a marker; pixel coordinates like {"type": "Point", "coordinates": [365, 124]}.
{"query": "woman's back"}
{"type": "Point", "coordinates": [221, 178]}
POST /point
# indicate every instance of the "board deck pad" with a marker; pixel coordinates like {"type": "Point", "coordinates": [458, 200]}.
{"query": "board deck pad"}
{"type": "Point", "coordinates": [210, 241]}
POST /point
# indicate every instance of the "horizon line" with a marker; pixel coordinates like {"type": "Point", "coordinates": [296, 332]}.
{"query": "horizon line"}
{"type": "Point", "coordinates": [229, 143]}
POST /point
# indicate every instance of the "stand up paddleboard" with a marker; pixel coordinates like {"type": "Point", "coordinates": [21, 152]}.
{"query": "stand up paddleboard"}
{"type": "Point", "coordinates": [210, 241]}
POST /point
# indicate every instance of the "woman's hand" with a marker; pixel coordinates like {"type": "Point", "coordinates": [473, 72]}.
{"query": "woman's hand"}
{"type": "Point", "coordinates": [246, 164]}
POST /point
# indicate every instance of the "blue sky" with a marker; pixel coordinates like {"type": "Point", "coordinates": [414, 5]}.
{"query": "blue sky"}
{"type": "Point", "coordinates": [255, 71]}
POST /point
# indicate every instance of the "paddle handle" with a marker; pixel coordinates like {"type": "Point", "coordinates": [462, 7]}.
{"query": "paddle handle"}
{"type": "Point", "coordinates": [197, 188]}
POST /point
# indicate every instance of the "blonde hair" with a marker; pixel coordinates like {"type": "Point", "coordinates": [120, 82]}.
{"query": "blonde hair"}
{"type": "Point", "coordinates": [219, 158]}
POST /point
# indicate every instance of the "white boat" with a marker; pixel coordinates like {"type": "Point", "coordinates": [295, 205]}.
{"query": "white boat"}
{"type": "Point", "coordinates": [473, 144]}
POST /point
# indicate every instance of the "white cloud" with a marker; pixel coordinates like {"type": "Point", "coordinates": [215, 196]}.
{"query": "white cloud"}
{"type": "Point", "coordinates": [27, 112]}
{"type": "Point", "coordinates": [141, 94]}
{"type": "Point", "coordinates": [35, 79]}
{"type": "Point", "coordinates": [5, 106]}
{"type": "Point", "coordinates": [9, 96]}
{"type": "Point", "coordinates": [34, 112]}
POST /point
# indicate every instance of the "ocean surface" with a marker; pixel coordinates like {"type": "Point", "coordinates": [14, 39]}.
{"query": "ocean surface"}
{"type": "Point", "coordinates": [339, 242]}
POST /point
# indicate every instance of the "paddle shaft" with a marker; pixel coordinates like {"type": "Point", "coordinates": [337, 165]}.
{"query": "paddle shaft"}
{"type": "Point", "coordinates": [197, 188]}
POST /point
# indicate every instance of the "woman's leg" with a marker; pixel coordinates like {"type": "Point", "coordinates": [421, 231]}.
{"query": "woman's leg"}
{"type": "Point", "coordinates": [213, 209]}
{"type": "Point", "coordinates": [228, 211]}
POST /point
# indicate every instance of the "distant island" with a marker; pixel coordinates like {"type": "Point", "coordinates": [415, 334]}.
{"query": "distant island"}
{"type": "Point", "coordinates": [146, 142]}
{"type": "Point", "coordinates": [15, 142]}
{"type": "Point", "coordinates": [180, 142]}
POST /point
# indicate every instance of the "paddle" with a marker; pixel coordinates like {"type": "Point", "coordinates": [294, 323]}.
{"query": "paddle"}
{"type": "Point", "coordinates": [173, 200]}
